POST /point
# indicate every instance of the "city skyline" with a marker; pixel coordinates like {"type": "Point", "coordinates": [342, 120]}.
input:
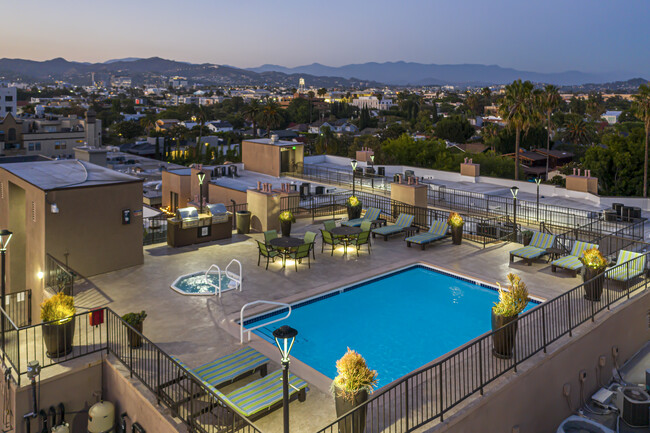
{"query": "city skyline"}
{"type": "Point", "coordinates": [551, 37]}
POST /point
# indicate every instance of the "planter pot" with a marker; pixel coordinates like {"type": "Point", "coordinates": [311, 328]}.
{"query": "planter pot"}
{"type": "Point", "coordinates": [58, 338]}
{"type": "Point", "coordinates": [135, 340]}
{"type": "Point", "coordinates": [593, 289]}
{"type": "Point", "coordinates": [354, 212]}
{"type": "Point", "coordinates": [285, 226]}
{"type": "Point", "coordinates": [527, 239]}
{"type": "Point", "coordinates": [456, 234]}
{"type": "Point", "coordinates": [356, 422]}
{"type": "Point", "coordinates": [503, 340]}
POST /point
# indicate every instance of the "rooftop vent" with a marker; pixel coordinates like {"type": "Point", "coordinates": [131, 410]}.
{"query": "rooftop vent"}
{"type": "Point", "coordinates": [274, 138]}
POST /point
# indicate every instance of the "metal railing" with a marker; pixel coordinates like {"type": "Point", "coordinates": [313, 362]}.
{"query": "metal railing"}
{"type": "Point", "coordinates": [431, 392]}
{"type": "Point", "coordinates": [155, 229]}
{"type": "Point", "coordinates": [58, 276]}
{"type": "Point", "coordinates": [18, 306]}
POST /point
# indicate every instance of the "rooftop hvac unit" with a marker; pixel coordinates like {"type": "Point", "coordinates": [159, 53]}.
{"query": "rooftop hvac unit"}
{"type": "Point", "coordinates": [634, 404]}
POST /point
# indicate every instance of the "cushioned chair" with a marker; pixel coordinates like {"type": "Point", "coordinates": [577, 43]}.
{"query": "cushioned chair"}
{"type": "Point", "coordinates": [572, 261]}
{"type": "Point", "coordinates": [372, 214]}
{"type": "Point", "coordinates": [403, 221]}
{"type": "Point", "coordinates": [300, 253]}
{"type": "Point", "coordinates": [329, 240]}
{"type": "Point", "coordinates": [310, 238]}
{"type": "Point", "coordinates": [537, 248]}
{"type": "Point", "coordinates": [265, 251]}
{"type": "Point", "coordinates": [438, 230]}
{"type": "Point", "coordinates": [628, 265]}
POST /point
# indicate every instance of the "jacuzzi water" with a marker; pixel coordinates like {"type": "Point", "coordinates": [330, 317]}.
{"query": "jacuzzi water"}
{"type": "Point", "coordinates": [195, 283]}
{"type": "Point", "coordinates": [398, 322]}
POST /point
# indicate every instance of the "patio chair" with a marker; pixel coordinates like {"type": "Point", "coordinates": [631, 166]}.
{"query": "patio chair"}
{"type": "Point", "coordinates": [329, 225]}
{"type": "Point", "coordinates": [255, 399]}
{"type": "Point", "coordinates": [366, 226]}
{"type": "Point", "coordinates": [222, 371]}
{"type": "Point", "coordinates": [310, 238]}
{"type": "Point", "coordinates": [372, 214]}
{"type": "Point", "coordinates": [572, 261]}
{"type": "Point", "coordinates": [269, 235]}
{"type": "Point", "coordinates": [438, 230]}
{"type": "Point", "coordinates": [403, 221]}
{"type": "Point", "coordinates": [329, 240]}
{"type": "Point", "coordinates": [628, 265]}
{"type": "Point", "coordinates": [362, 239]}
{"type": "Point", "coordinates": [265, 251]}
{"type": "Point", "coordinates": [300, 253]}
{"type": "Point", "coordinates": [537, 248]}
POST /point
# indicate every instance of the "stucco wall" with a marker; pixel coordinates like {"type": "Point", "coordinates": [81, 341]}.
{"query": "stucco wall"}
{"type": "Point", "coordinates": [261, 158]}
{"type": "Point", "coordinates": [172, 182]}
{"type": "Point", "coordinates": [221, 194]}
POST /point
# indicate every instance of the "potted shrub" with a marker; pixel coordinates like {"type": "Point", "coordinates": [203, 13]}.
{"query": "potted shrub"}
{"type": "Point", "coordinates": [527, 237]}
{"type": "Point", "coordinates": [456, 222]}
{"type": "Point", "coordinates": [354, 207]}
{"type": "Point", "coordinates": [353, 382]}
{"type": "Point", "coordinates": [136, 320]}
{"type": "Point", "coordinates": [511, 303]}
{"type": "Point", "coordinates": [286, 219]}
{"type": "Point", "coordinates": [594, 267]}
{"type": "Point", "coordinates": [57, 314]}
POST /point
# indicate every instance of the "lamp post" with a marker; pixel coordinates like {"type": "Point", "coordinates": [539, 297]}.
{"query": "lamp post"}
{"type": "Point", "coordinates": [514, 190]}
{"type": "Point", "coordinates": [285, 336]}
{"type": "Point", "coordinates": [538, 181]}
{"type": "Point", "coordinates": [201, 176]}
{"type": "Point", "coordinates": [353, 163]}
{"type": "Point", "coordinates": [5, 237]}
{"type": "Point", "coordinates": [372, 162]}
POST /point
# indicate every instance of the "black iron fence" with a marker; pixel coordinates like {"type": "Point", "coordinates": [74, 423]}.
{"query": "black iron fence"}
{"type": "Point", "coordinates": [234, 208]}
{"type": "Point", "coordinates": [429, 393]}
{"type": "Point", "coordinates": [18, 306]}
{"type": "Point", "coordinates": [58, 276]}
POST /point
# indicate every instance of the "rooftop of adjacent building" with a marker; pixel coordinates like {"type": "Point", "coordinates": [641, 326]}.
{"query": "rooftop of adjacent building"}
{"type": "Point", "coordinates": [271, 142]}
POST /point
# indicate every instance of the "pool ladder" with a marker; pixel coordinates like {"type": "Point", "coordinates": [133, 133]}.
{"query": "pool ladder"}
{"type": "Point", "coordinates": [237, 278]}
{"type": "Point", "coordinates": [249, 330]}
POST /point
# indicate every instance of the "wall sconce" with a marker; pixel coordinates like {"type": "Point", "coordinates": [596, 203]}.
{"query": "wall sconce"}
{"type": "Point", "coordinates": [40, 275]}
{"type": "Point", "coordinates": [54, 208]}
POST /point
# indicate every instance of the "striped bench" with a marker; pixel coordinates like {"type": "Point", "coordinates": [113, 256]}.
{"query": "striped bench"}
{"type": "Point", "coordinates": [537, 248]}
{"type": "Point", "coordinates": [572, 261]}
{"type": "Point", "coordinates": [403, 221]}
{"type": "Point", "coordinates": [438, 230]}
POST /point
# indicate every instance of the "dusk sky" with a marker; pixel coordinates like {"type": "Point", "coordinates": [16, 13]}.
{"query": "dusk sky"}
{"type": "Point", "coordinates": [544, 36]}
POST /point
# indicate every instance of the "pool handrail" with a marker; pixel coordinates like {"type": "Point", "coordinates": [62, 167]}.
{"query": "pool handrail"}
{"type": "Point", "coordinates": [237, 278]}
{"type": "Point", "coordinates": [249, 330]}
{"type": "Point", "coordinates": [217, 288]}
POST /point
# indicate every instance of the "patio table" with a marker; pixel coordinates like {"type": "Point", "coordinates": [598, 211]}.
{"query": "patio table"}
{"type": "Point", "coordinates": [346, 233]}
{"type": "Point", "coordinates": [284, 244]}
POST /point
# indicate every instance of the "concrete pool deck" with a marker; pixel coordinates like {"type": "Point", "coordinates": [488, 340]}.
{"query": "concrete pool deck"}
{"type": "Point", "coordinates": [199, 329]}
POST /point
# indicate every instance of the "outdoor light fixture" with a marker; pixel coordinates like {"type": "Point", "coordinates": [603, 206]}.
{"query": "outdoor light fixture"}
{"type": "Point", "coordinates": [372, 159]}
{"type": "Point", "coordinates": [5, 237]}
{"type": "Point", "coordinates": [40, 275]}
{"type": "Point", "coordinates": [538, 181]}
{"type": "Point", "coordinates": [54, 208]}
{"type": "Point", "coordinates": [353, 163]}
{"type": "Point", "coordinates": [514, 190]}
{"type": "Point", "coordinates": [201, 176]}
{"type": "Point", "coordinates": [285, 336]}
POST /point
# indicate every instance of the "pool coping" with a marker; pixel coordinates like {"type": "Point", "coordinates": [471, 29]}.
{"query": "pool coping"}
{"type": "Point", "coordinates": [304, 370]}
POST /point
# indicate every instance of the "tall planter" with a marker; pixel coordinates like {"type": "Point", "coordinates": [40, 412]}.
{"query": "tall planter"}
{"type": "Point", "coordinates": [285, 226]}
{"type": "Point", "coordinates": [503, 340]}
{"type": "Point", "coordinates": [456, 234]}
{"type": "Point", "coordinates": [593, 289]}
{"type": "Point", "coordinates": [527, 237]}
{"type": "Point", "coordinates": [135, 339]}
{"type": "Point", "coordinates": [58, 338]}
{"type": "Point", "coordinates": [355, 422]}
{"type": "Point", "coordinates": [354, 212]}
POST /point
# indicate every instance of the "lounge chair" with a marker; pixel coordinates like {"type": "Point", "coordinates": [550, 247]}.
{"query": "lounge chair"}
{"type": "Point", "coordinates": [438, 230]}
{"type": "Point", "coordinates": [372, 214]}
{"type": "Point", "coordinates": [258, 397]}
{"type": "Point", "coordinates": [537, 248]}
{"type": "Point", "coordinates": [635, 266]}
{"type": "Point", "coordinates": [402, 222]}
{"type": "Point", "coordinates": [328, 239]}
{"type": "Point", "coordinates": [300, 253]}
{"type": "Point", "coordinates": [266, 251]}
{"type": "Point", "coordinates": [572, 261]}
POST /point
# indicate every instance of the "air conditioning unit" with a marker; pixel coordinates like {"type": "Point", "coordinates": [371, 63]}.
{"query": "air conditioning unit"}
{"type": "Point", "coordinates": [634, 404]}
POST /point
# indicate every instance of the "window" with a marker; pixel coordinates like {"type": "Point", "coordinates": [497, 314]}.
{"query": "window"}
{"type": "Point", "coordinates": [11, 134]}
{"type": "Point", "coordinates": [9, 98]}
{"type": "Point", "coordinates": [9, 109]}
{"type": "Point", "coordinates": [37, 146]}
{"type": "Point", "coordinates": [57, 145]}
{"type": "Point", "coordinates": [30, 147]}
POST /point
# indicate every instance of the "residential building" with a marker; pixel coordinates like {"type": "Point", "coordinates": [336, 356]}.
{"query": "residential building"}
{"type": "Point", "coordinates": [8, 100]}
{"type": "Point", "coordinates": [165, 124]}
{"type": "Point", "coordinates": [219, 126]}
{"type": "Point", "coordinates": [178, 82]}
{"type": "Point", "coordinates": [612, 116]}
{"type": "Point", "coordinates": [120, 81]}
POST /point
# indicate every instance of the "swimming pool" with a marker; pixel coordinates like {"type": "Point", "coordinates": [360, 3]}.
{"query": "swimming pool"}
{"type": "Point", "coordinates": [399, 321]}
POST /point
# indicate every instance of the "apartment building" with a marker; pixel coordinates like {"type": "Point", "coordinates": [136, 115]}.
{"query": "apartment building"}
{"type": "Point", "coordinates": [8, 100]}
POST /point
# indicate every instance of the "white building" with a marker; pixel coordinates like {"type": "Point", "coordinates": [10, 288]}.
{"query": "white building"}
{"type": "Point", "coordinates": [612, 116]}
{"type": "Point", "coordinates": [178, 82]}
{"type": "Point", "coordinates": [8, 100]}
{"type": "Point", "coordinates": [219, 126]}
{"type": "Point", "coordinates": [372, 103]}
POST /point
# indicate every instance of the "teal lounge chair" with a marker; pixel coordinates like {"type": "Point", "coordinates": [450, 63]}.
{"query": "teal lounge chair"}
{"type": "Point", "coordinates": [404, 220]}
{"type": "Point", "coordinates": [635, 266]}
{"type": "Point", "coordinates": [255, 399]}
{"type": "Point", "coordinates": [572, 261]}
{"type": "Point", "coordinates": [372, 214]}
{"type": "Point", "coordinates": [438, 230]}
{"type": "Point", "coordinates": [537, 248]}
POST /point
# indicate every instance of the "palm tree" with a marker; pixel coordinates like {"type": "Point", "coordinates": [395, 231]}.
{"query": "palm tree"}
{"type": "Point", "coordinates": [310, 94]}
{"type": "Point", "coordinates": [252, 112]}
{"type": "Point", "coordinates": [577, 131]}
{"type": "Point", "coordinates": [322, 92]}
{"type": "Point", "coordinates": [548, 101]}
{"type": "Point", "coordinates": [200, 117]}
{"type": "Point", "coordinates": [642, 109]}
{"type": "Point", "coordinates": [516, 109]}
{"type": "Point", "coordinates": [271, 116]}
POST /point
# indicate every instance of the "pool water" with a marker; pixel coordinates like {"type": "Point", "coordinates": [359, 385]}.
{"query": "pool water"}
{"type": "Point", "coordinates": [398, 322]}
{"type": "Point", "coordinates": [195, 284]}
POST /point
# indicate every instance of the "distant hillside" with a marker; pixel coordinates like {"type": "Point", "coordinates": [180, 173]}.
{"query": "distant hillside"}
{"type": "Point", "coordinates": [631, 85]}
{"type": "Point", "coordinates": [154, 69]}
{"type": "Point", "coordinates": [403, 73]}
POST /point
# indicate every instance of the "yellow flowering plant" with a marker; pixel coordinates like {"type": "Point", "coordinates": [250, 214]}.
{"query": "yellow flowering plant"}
{"type": "Point", "coordinates": [59, 307]}
{"type": "Point", "coordinates": [593, 259]}
{"type": "Point", "coordinates": [353, 201]}
{"type": "Point", "coordinates": [353, 375]}
{"type": "Point", "coordinates": [287, 216]}
{"type": "Point", "coordinates": [512, 301]}
{"type": "Point", "coordinates": [455, 220]}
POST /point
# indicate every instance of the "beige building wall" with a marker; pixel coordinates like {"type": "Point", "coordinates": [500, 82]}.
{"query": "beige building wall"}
{"type": "Point", "coordinates": [265, 210]}
{"type": "Point", "coordinates": [221, 194]}
{"type": "Point", "coordinates": [261, 158]}
{"type": "Point", "coordinates": [582, 184]}
{"type": "Point", "coordinates": [172, 182]}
